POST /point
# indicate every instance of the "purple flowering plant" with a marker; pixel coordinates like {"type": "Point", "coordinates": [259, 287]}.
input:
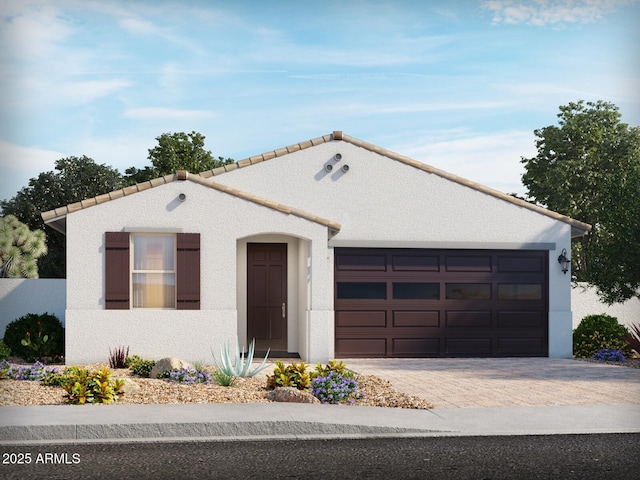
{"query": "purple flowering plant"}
{"type": "Point", "coordinates": [189, 376]}
{"type": "Point", "coordinates": [35, 373]}
{"type": "Point", "coordinates": [335, 389]}
{"type": "Point", "coordinates": [609, 355]}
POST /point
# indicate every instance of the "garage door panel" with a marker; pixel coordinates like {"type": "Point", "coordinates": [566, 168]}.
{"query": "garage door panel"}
{"type": "Point", "coordinates": [441, 302]}
{"type": "Point", "coordinates": [526, 347]}
{"type": "Point", "coordinates": [468, 263]}
{"type": "Point", "coordinates": [361, 290]}
{"type": "Point", "coordinates": [468, 319]}
{"type": "Point", "coordinates": [346, 262]}
{"type": "Point", "coordinates": [362, 347]}
{"type": "Point", "coordinates": [416, 318]}
{"type": "Point", "coordinates": [521, 319]}
{"type": "Point", "coordinates": [468, 346]}
{"type": "Point", "coordinates": [412, 263]}
{"type": "Point", "coordinates": [415, 347]}
{"type": "Point", "coordinates": [363, 319]}
{"type": "Point", "coordinates": [522, 263]}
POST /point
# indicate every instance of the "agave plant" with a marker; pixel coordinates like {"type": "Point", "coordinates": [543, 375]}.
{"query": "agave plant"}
{"type": "Point", "coordinates": [240, 367]}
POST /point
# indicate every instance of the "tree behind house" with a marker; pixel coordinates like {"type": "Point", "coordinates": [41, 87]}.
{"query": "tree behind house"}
{"type": "Point", "coordinates": [588, 168]}
{"type": "Point", "coordinates": [176, 151]}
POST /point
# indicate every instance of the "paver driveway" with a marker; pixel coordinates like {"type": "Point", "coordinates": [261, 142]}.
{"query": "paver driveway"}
{"type": "Point", "coordinates": [503, 382]}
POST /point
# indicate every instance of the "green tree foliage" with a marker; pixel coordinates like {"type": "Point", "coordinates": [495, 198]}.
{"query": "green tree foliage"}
{"type": "Point", "coordinates": [75, 179]}
{"type": "Point", "coordinates": [79, 178]}
{"type": "Point", "coordinates": [588, 168]}
{"type": "Point", "coordinates": [20, 249]}
{"type": "Point", "coordinates": [176, 151]}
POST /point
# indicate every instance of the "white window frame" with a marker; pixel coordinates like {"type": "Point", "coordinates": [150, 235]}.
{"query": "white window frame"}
{"type": "Point", "coordinates": [133, 271]}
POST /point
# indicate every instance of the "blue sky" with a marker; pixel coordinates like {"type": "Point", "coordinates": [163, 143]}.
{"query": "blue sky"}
{"type": "Point", "coordinates": [460, 85]}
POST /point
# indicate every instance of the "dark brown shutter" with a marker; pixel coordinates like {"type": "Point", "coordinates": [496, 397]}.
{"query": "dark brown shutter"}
{"type": "Point", "coordinates": [188, 269]}
{"type": "Point", "coordinates": [116, 270]}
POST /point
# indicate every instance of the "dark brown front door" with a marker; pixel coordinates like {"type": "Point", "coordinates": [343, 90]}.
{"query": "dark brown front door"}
{"type": "Point", "coordinates": [267, 295]}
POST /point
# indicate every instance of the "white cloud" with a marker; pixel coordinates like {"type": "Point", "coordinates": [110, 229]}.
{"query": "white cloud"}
{"type": "Point", "coordinates": [550, 12]}
{"type": "Point", "coordinates": [155, 113]}
{"type": "Point", "coordinates": [82, 92]}
{"type": "Point", "coordinates": [492, 159]}
{"type": "Point", "coordinates": [20, 164]}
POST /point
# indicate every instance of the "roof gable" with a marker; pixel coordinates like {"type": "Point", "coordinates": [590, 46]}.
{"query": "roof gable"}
{"type": "Point", "coordinates": [57, 218]}
{"type": "Point", "coordinates": [578, 228]}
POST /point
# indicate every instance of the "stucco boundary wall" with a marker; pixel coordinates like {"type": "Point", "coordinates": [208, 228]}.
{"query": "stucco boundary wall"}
{"type": "Point", "coordinates": [19, 296]}
{"type": "Point", "coordinates": [585, 301]}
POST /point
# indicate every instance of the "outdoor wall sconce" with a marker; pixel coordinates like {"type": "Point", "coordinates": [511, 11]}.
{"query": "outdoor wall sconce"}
{"type": "Point", "coordinates": [564, 261]}
{"type": "Point", "coordinates": [182, 197]}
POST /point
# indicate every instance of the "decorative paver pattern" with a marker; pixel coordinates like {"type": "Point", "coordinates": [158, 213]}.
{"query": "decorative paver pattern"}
{"type": "Point", "coordinates": [506, 382]}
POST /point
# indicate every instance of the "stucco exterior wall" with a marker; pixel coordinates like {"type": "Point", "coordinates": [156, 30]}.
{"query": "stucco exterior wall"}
{"type": "Point", "coordinates": [585, 301]}
{"type": "Point", "coordinates": [385, 203]}
{"type": "Point", "coordinates": [222, 220]}
{"type": "Point", "coordinates": [19, 296]}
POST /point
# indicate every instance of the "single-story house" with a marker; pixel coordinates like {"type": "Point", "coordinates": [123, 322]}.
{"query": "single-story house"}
{"type": "Point", "coordinates": [330, 248]}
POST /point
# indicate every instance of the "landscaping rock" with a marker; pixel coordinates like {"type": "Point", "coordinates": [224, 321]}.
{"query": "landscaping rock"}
{"type": "Point", "coordinates": [168, 364]}
{"type": "Point", "coordinates": [291, 395]}
{"type": "Point", "coordinates": [130, 387]}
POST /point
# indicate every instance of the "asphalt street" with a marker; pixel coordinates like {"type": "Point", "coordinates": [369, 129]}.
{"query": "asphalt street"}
{"type": "Point", "coordinates": [593, 456]}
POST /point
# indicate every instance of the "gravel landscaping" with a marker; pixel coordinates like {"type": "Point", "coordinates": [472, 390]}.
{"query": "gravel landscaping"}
{"type": "Point", "coordinates": [378, 392]}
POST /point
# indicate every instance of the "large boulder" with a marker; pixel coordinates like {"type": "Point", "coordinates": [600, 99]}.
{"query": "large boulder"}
{"type": "Point", "coordinates": [291, 395]}
{"type": "Point", "coordinates": [168, 364]}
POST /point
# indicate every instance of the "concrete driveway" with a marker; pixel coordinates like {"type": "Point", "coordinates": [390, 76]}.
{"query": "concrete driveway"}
{"type": "Point", "coordinates": [506, 382]}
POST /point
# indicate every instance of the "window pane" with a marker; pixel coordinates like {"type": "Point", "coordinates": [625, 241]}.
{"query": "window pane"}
{"type": "Point", "coordinates": [426, 291]}
{"type": "Point", "coordinates": [468, 291]}
{"type": "Point", "coordinates": [519, 291]}
{"type": "Point", "coordinates": [361, 290]}
{"type": "Point", "coordinates": [153, 252]}
{"type": "Point", "coordinates": [154, 290]}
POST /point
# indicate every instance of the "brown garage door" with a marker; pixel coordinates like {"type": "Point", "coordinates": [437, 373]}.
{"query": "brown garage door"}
{"type": "Point", "coordinates": [439, 303]}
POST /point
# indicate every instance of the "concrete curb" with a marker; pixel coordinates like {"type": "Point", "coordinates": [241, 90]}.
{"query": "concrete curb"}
{"type": "Point", "coordinates": [232, 422]}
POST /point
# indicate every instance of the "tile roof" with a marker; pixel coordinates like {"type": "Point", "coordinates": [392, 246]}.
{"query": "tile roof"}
{"type": "Point", "coordinates": [578, 228]}
{"type": "Point", "coordinates": [56, 217]}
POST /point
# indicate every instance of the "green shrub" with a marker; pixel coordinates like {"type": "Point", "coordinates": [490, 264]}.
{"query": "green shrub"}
{"type": "Point", "coordinates": [139, 366]}
{"type": "Point", "coordinates": [596, 332]}
{"type": "Point", "coordinates": [5, 351]}
{"type": "Point", "coordinates": [333, 366]}
{"type": "Point", "coordinates": [56, 379]}
{"type": "Point", "coordinates": [294, 375]}
{"type": "Point", "coordinates": [83, 386]}
{"type": "Point", "coordinates": [5, 368]}
{"type": "Point", "coordinates": [38, 326]}
{"type": "Point", "coordinates": [223, 379]}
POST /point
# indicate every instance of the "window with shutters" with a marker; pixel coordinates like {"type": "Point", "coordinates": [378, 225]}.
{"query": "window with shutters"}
{"type": "Point", "coordinates": [153, 273]}
{"type": "Point", "coordinates": [152, 270]}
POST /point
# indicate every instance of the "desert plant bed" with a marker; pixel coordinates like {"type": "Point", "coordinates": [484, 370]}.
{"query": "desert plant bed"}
{"type": "Point", "coordinates": [377, 391]}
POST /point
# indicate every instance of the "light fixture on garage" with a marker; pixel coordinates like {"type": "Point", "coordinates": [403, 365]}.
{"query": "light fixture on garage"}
{"type": "Point", "coordinates": [564, 261]}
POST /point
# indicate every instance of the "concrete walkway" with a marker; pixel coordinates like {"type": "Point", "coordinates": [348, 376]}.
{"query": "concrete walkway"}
{"type": "Point", "coordinates": [506, 382]}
